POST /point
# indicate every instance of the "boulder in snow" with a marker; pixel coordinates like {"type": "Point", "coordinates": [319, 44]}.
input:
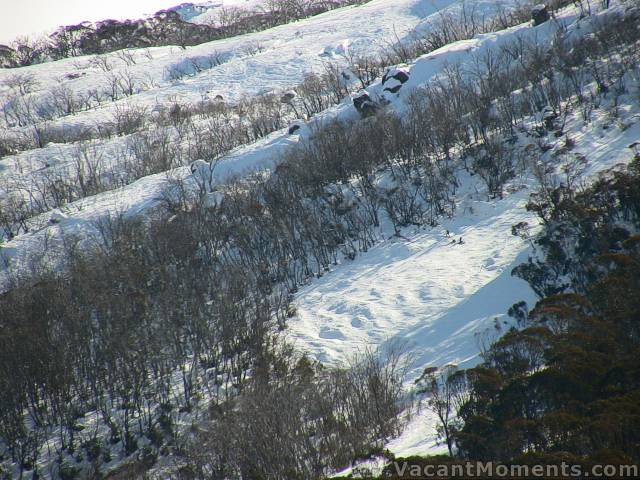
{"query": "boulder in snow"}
{"type": "Point", "coordinates": [342, 48]}
{"type": "Point", "coordinates": [57, 217]}
{"type": "Point", "coordinates": [296, 126]}
{"type": "Point", "coordinates": [287, 97]}
{"type": "Point", "coordinates": [539, 14]}
{"type": "Point", "coordinates": [74, 75]}
{"type": "Point", "coordinates": [394, 78]}
{"type": "Point", "coordinates": [198, 166]}
{"type": "Point", "coordinates": [364, 104]}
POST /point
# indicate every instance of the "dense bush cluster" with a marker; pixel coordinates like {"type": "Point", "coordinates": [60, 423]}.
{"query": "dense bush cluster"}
{"type": "Point", "coordinates": [151, 323]}
{"type": "Point", "coordinates": [312, 420]}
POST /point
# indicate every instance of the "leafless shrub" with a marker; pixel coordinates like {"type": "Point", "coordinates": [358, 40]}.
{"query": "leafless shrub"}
{"type": "Point", "coordinates": [63, 100]}
{"type": "Point", "coordinates": [88, 169]}
{"type": "Point", "coordinates": [203, 63]}
{"type": "Point", "coordinates": [127, 82]}
{"type": "Point", "coordinates": [14, 213]}
{"type": "Point", "coordinates": [44, 133]}
{"type": "Point", "coordinates": [21, 83]}
{"type": "Point", "coordinates": [128, 118]}
{"type": "Point", "coordinates": [252, 49]}
{"type": "Point", "coordinates": [112, 89]}
{"type": "Point", "coordinates": [19, 107]}
{"type": "Point", "coordinates": [365, 68]}
{"type": "Point", "coordinates": [151, 152]}
{"type": "Point", "coordinates": [103, 62]}
{"type": "Point", "coordinates": [127, 57]}
{"type": "Point", "coordinates": [175, 73]}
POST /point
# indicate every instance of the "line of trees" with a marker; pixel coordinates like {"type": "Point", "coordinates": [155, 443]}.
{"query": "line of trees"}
{"type": "Point", "coordinates": [166, 27]}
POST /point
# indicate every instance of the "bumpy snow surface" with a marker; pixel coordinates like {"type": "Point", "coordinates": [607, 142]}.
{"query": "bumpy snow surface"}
{"type": "Point", "coordinates": [426, 288]}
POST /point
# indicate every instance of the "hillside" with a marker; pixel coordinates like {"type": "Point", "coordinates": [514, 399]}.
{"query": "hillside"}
{"type": "Point", "coordinates": [276, 233]}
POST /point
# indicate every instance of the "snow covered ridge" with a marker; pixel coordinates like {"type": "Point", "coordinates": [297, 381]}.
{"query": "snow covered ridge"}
{"type": "Point", "coordinates": [94, 95]}
{"type": "Point", "coordinates": [433, 63]}
{"type": "Point", "coordinates": [183, 25]}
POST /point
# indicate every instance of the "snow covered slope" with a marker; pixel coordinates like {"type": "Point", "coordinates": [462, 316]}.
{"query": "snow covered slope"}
{"type": "Point", "coordinates": [427, 288]}
{"type": "Point", "coordinates": [269, 61]}
{"type": "Point", "coordinates": [434, 290]}
{"type": "Point", "coordinates": [274, 59]}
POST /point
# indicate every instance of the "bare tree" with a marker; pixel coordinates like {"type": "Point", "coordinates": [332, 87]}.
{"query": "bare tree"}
{"type": "Point", "coordinates": [447, 391]}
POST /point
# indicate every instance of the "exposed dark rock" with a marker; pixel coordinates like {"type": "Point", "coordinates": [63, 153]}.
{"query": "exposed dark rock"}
{"type": "Point", "coordinates": [364, 104]}
{"type": "Point", "coordinates": [73, 76]}
{"type": "Point", "coordinates": [288, 97]}
{"type": "Point", "coordinates": [394, 78]}
{"type": "Point", "coordinates": [57, 217]}
{"type": "Point", "coordinates": [399, 74]}
{"type": "Point", "coordinates": [294, 127]}
{"type": "Point", "coordinates": [539, 14]}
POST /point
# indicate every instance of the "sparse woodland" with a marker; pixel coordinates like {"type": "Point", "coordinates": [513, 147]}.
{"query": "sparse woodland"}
{"type": "Point", "coordinates": [180, 315]}
{"type": "Point", "coordinates": [166, 27]}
